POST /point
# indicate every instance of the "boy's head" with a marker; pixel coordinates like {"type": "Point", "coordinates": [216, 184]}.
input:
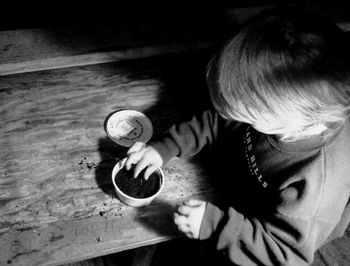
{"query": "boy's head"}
{"type": "Point", "coordinates": [286, 72]}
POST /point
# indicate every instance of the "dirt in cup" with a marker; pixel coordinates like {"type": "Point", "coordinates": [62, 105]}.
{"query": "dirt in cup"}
{"type": "Point", "coordinates": [137, 187]}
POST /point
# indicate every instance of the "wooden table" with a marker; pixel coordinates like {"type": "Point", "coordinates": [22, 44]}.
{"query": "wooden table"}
{"type": "Point", "coordinates": [57, 203]}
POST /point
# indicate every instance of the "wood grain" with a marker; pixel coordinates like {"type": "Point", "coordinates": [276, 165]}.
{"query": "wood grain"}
{"type": "Point", "coordinates": [57, 202]}
{"type": "Point", "coordinates": [99, 57]}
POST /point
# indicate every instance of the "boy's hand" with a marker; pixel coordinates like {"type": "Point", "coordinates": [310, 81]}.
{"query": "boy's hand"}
{"type": "Point", "coordinates": [143, 156]}
{"type": "Point", "coordinates": [188, 217]}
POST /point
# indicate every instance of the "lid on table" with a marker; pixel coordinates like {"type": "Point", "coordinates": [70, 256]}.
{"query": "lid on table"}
{"type": "Point", "coordinates": [125, 127]}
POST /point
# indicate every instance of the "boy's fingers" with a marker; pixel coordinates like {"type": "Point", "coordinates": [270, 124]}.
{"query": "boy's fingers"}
{"type": "Point", "coordinates": [180, 220]}
{"type": "Point", "coordinates": [189, 235]}
{"type": "Point", "coordinates": [133, 159]}
{"type": "Point", "coordinates": [137, 146]}
{"type": "Point", "coordinates": [184, 210]}
{"type": "Point", "coordinates": [142, 164]}
{"type": "Point", "coordinates": [184, 229]}
{"type": "Point", "coordinates": [193, 203]}
{"type": "Point", "coordinates": [149, 171]}
{"type": "Point", "coordinates": [182, 225]}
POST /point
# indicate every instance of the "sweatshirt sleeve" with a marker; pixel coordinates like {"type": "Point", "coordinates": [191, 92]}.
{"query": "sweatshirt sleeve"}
{"type": "Point", "coordinates": [253, 241]}
{"type": "Point", "coordinates": [188, 138]}
{"type": "Point", "coordinates": [273, 239]}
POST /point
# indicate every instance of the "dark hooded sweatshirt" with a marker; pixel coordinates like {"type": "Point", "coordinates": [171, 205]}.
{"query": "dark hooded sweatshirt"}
{"type": "Point", "coordinates": [284, 200]}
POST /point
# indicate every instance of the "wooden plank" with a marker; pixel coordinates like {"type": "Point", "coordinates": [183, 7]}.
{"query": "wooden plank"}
{"type": "Point", "coordinates": [22, 64]}
{"type": "Point", "coordinates": [26, 50]}
{"type": "Point", "coordinates": [120, 33]}
{"type": "Point", "coordinates": [40, 49]}
{"type": "Point", "coordinates": [100, 57]}
{"type": "Point", "coordinates": [57, 202]}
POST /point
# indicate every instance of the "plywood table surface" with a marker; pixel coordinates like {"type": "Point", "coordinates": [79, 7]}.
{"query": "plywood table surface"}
{"type": "Point", "coordinates": [57, 202]}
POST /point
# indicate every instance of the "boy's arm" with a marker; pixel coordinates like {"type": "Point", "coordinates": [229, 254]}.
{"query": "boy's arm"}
{"type": "Point", "coordinates": [290, 238]}
{"type": "Point", "coordinates": [182, 140]}
{"type": "Point", "coordinates": [188, 138]}
{"type": "Point", "coordinates": [280, 240]}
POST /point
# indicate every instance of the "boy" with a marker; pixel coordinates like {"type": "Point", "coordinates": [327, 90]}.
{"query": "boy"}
{"type": "Point", "coordinates": [281, 93]}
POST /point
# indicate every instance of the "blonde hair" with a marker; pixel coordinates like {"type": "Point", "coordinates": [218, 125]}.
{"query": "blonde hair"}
{"type": "Point", "coordinates": [288, 66]}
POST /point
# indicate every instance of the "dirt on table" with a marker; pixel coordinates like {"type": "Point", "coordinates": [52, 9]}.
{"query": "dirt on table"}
{"type": "Point", "coordinates": [137, 187]}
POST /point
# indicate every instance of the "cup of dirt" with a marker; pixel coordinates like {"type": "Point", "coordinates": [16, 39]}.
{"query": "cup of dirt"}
{"type": "Point", "coordinates": [136, 192]}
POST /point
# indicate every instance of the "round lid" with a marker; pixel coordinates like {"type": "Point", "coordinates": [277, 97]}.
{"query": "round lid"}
{"type": "Point", "coordinates": [126, 127]}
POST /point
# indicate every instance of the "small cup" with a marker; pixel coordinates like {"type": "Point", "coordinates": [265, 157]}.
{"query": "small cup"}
{"type": "Point", "coordinates": [129, 200]}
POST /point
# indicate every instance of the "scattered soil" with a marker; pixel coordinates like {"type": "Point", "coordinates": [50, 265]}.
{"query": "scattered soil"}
{"type": "Point", "coordinates": [137, 187]}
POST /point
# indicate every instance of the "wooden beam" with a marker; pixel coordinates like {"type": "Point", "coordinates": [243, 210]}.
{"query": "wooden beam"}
{"type": "Point", "coordinates": [98, 58]}
{"type": "Point", "coordinates": [28, 50]}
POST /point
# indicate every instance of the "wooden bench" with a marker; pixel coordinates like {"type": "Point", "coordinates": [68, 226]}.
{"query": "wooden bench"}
{"type": "Point", "coordinates": [57, 202]}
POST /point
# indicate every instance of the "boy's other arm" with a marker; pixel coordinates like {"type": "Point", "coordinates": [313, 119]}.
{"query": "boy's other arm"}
{"type": "Point", "coordinates": [287, 234]}
{"type": "Point", "coordinates": [253, 241]}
